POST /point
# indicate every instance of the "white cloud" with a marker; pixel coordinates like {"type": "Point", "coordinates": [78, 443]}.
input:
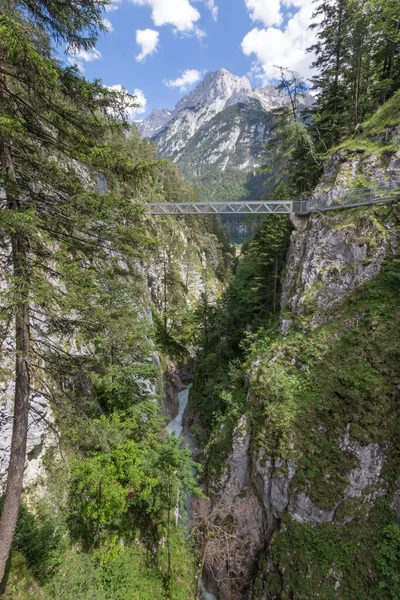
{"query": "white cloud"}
{"type": "Point", "coordinates": [268, 13]}
{"type": "Point", "coordinates": [115, 4]}
{"type": "Point", "coordinates": [107, 23]}
{"type": "Point", "coordinates": [284, 47]}
{"type": "Point", "coordinates": [135, 105]}
{"type": "Point", "coordinates": [213, 8]}
{"type": "Point", "coordinates": [78, 57]}
{"type": "Point", "coordinates": [178, 13]}
{"type": "Point", "coordinates": [148, 40]}
{"type": "Point", "coordinates": [86, 55]}
{"type": "Point", "coordinates": [185, 81]}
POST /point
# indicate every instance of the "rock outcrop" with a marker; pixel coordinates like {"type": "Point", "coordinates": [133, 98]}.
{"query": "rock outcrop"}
{"type": "Point", "coordinates": [313, 471]}
{"type": "Point", "coordinates": [41, 436]}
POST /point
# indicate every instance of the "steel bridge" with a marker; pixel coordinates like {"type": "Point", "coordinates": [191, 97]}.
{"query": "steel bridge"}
{"type": "Point", "coordinates": [304, 206]}
{"type": "Point", "coordinates": [220, 208]}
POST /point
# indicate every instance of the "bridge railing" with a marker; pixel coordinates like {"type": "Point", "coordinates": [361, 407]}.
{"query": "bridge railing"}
{"type": "Point", "coordinates": [349, 198]}
{"type": "Point", "coordinates": [300, 207]}
{"type": "Point", "coordinates": [320, 201]}
{"type": "Point", "coordinates": [262, 207]}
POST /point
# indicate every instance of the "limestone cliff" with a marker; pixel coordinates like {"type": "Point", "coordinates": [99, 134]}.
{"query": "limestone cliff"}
{"type": "Point", "coordinates": [183, 263]}
{"type": "Point", "coordinates": [313, 472]}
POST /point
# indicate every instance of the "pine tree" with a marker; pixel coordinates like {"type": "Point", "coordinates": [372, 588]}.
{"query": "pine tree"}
{"type": "Point", "coordinates": [357, 64]}
{"type": "Point", "coordinates": [332, 54]}
{"type": "Point", "coordinates": [291, 161]}
{"type": "Point", "coordinates": [54, 128]}
{"type": "Point", "coordinates": [385, 35]}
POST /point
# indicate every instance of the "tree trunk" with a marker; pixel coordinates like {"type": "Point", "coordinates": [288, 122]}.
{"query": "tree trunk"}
{"type": "Point", "coordinates": [21, 409]}
{"type": "Point", "coordinates": [165, 295]}
{"type": "Point", "coordinates": [22, 349]}
{"type": "Point", "coordinates": [169, 574]}
{"type": "Point", "coordinates": [275, 282]}
{"type": "Point", "coordinates": [338, 59]}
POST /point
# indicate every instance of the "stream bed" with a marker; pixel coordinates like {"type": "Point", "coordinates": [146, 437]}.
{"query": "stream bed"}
{"type": "Point", "coordinates": [175, 426]}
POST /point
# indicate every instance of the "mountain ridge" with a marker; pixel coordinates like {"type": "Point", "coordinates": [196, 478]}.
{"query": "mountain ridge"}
{"type": "Point", "coordinates": [218, 91]}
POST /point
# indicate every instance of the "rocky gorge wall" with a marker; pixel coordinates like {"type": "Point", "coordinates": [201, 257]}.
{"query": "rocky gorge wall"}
{"type": "Point", "coordinates": [193, 256]}
{"type": "Point", "coordinates": [311, 486]}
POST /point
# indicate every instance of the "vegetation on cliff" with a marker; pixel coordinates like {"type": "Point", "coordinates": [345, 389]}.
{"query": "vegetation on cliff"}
{"type": "Point", "coordinates": [76, 325]}
{"type": "Point", "coordinates": [74, 290]}
{"type": "Point", "coordinates": [339, 379]}
{"type": "Point", "coordinates": [357, 70]}
{"type": "Point", "coordinates": [316, 402]}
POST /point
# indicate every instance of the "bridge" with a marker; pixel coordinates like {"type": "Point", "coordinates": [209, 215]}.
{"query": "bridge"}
{"type": "Point", "coordinates": [345, 199]}
{"type": "Point", "coordinates": [221, 208]}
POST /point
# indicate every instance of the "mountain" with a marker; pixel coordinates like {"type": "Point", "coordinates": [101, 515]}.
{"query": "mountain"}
{"type": "Point", "coordinates": [222, 123]}
{"type": "Point", "coordinates": [154, 122]}
{"type": "Point", "coordinates": [217, 134]}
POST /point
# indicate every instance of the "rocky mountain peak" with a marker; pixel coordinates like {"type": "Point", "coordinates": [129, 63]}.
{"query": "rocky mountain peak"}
{"type": "Point", "coordinates": [214, 90]}
{"type": "Point", "coordinates": [150, 126]}
{"type": "Point", "coordinates": [208, 111]}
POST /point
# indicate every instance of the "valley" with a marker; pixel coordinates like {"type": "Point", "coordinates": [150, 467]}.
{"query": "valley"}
{"type": "Point", "coordinates": [194, 405]}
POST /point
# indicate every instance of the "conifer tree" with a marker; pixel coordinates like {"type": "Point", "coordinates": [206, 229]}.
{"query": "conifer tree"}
{"type": "Point", "coordinates": [54, 128]}
{"type": "Point", "coordinates": [385, 48]}
{"type": "Point", "coordinates": [290, 154]}
{"type": "Point", "coordinates": [332, 53]}
{"type": "Point", "coordinates": [357, 64]}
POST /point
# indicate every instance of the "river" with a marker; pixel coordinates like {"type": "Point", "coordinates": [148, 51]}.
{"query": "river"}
{"type": "Point", "coordinates": [175, 426]}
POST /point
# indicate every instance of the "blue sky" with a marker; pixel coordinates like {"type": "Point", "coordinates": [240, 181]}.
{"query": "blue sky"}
{"type": "Point", "coordinates": [161, 48]}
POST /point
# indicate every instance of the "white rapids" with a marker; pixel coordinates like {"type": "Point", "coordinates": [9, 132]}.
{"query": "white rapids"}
{"type": "Point", "coordinates": [207, 595]}
{"type": "Point", "coordinates": [175, 426]}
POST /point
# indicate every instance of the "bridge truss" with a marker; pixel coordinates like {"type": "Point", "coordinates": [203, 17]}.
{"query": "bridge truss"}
{"type": "Point", "coordinates": [224, 208]}
{"type": "Point", "coordinates": [344, 199]}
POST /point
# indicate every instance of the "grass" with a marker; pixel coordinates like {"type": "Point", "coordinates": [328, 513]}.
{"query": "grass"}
{"type": "Point", "coordinates": [369, 142]}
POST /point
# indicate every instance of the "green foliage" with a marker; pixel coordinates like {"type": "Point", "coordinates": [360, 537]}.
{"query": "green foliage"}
{"type": "Point", "coordinates": [310, 393]}
{"type": "Point", "coordinates": [189, 247]}
{"type": "Point", "coordinates": [130, 482]}
{"type": "Point", "coordinates": [219, 443]}
{"type": "Point", "coordinates": [357, 62]}
{"type": "Point", "coordinates": [41, 538]}
{"type": "Point", "coordinates": [21, 585]}
{"type": "Point", "coordinates": [128, 575]}
{"type": "Point", "coordinates": [306, 391]}
{"type": "Point", "coordinates": [357, 561]}
{"type": "Point", "coordinates": [387, 556]}
{"type": "Point", "coordinates": [373, 136]}
{"type": "Point", "coordinates": [356, 70]}
{"type": "Point", "coordinates": [248, 304]}
{"type": "Point", "coordinates": [86, 298]}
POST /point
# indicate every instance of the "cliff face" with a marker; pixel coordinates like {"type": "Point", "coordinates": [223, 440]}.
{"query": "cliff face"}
{"type": "Point", "coordinates": [183, 265]}
{"type": "Point", "coordinates": [188, 266]}
{"type": "Point", "coordinates": [313, 458]}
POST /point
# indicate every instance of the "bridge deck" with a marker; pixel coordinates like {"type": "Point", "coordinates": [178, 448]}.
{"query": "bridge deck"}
{"type": "Point", "coordinates": [347, 199]}
{"type": "Point", "coordinates": [221, 208]}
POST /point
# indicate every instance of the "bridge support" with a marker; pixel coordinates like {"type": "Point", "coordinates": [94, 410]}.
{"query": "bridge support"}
{"type": "Point", "coordinates": [300, 222]}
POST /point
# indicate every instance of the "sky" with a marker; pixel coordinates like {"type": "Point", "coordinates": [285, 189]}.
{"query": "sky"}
{"type": "Point", "coordinates": [160, 49]}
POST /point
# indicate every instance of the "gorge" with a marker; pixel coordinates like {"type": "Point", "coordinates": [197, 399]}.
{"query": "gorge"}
{"type": "Point", "coordinates": [191, 411]}
{"type": "Point", "coordinates": [293, 411]}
